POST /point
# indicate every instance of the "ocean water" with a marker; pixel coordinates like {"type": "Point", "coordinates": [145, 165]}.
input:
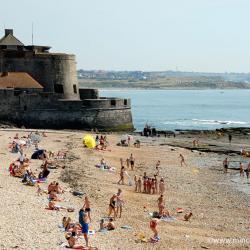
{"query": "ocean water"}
{"type": "Point", "coordinates": [187, 109]}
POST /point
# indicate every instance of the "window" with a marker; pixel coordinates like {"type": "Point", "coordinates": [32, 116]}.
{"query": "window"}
{"type": "Point", "coordinates": [113, 102]}
{"type": "Point", "coordinates": [58, 88]}
{"type": "Point", "coordinates": [75, 89]}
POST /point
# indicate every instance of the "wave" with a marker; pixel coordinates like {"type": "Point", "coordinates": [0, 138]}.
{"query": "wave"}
{"type": "Point", "coordinates": [200, 121]}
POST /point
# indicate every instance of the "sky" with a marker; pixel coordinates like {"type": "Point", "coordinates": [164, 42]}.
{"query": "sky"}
{"type": "Point", "coordinates": [148, 35]}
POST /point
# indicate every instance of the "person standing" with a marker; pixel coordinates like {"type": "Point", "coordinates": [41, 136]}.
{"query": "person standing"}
{"type": "Point", "coordinates": [83, 220]}
{"type": "Point", "coordinates": [230, 138]}
{"type": "Point", "coordinates": [122, 173]}
{"type": "Point", "coordinates": [225, 165]}
{"type": "Point", "coordinates": [248, 171]}
{"type": "Point", "coordinates": [182, 160]}
{"type": "Point", "coordinates": [132, 161]}
{"type": "Point", "coordinates": [241, 170]}
{"type": "Point", "coordinates": [119, 203]}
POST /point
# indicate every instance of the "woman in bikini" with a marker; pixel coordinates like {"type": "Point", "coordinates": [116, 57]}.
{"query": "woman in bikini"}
{"type": "Point", "coordinates": [119, 203]}
{"type": "Point", "coordinates": [161, 205]}
{"type": "Point", "coordinates": [122, 172]}
{"type": "Point", "coordinates": [112, 205]}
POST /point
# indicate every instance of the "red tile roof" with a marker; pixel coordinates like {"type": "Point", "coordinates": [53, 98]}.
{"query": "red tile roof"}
{"type": "Point", "coordinates": [20, 80]}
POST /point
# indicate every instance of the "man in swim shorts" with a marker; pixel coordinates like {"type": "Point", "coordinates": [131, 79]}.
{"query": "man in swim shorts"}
{"type": "Point", "coordinates": [83, 220]}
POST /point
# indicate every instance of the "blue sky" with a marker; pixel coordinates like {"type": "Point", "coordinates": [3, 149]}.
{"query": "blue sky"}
{"type": "Point", "coordinates": [188, 35]}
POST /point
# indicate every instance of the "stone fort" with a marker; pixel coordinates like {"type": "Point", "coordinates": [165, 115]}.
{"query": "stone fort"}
{"type": "Point", "coordinates": [39, 89]}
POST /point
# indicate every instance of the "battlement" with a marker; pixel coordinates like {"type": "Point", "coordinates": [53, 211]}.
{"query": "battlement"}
{"type": "Point", "coordinates": [42, 90]}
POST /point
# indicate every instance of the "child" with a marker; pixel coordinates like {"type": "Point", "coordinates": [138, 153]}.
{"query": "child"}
{"type": "Point", "coordinates": [86, 206]}
{"type": "Point", "coordinates": [153, 225]}
{"type": "Point", "coordinates": [139, 184]}
{"type": "Point", "coordinates": [39, 190]}
{"type": "Point", "coordinates": [136, 183]}
{"type": "Point", "coordinates": [161, 186]}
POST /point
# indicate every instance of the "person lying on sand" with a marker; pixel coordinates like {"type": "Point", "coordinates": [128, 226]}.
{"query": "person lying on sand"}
{"type": "Point", "coordinates": [110, 225]}
{"type": "Point", "coordinates": [72, 241]}
{"type": "Point", "coordinates": [187, 216]}
{"type": "Point", "coordinates": [52, 206]}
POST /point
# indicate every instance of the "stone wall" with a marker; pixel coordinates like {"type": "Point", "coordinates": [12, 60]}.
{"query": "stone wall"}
{"type": "Point", "coordinates": [88, 93]}
{"type": "Point", "coordinates": [46, 110]}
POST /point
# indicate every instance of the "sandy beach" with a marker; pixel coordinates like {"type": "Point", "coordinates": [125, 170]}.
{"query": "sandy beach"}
{"type": "Point", "coordinates": [221, 210]}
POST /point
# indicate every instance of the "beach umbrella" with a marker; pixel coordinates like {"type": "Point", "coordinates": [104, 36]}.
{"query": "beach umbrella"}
{"type": "Point", "coordinates": [89, 141]}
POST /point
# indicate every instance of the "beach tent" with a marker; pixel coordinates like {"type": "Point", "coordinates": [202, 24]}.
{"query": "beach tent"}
{"type": "Point", "coordinates": [37, 154]}
{"type": "Point", "coordinates": [89, 141]}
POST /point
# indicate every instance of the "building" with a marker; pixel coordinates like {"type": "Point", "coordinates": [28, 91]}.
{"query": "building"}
{"type": "Point", "coordinates": [42, 91]}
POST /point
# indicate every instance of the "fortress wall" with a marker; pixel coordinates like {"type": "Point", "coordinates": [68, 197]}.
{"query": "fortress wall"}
{"type": "Point", "coordinates": [88, 93]}
{"type": "Point", "coordinates": [109, 119]}
{"type": "Point", "coordinates": [107, 103]}
{"type": "Point", "coordinates": [47, 68]}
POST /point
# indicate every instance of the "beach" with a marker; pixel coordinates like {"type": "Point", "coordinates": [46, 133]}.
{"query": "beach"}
{"type": "Point", "coordinates": [221, 211]}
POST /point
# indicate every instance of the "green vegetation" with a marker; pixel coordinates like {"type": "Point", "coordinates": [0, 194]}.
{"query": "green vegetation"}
{"type": "Point", "coordinates": [165, 83]}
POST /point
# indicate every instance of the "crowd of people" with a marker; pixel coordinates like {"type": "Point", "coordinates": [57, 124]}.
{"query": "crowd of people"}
{"type": "Point", "coordinates": [152, 184]}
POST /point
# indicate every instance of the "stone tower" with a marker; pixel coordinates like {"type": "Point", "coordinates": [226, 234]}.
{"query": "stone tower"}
{"type": "Point", "coordinates": [56, 72]}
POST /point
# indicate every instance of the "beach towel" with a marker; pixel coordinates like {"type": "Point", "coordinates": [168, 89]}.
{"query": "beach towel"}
{"type": "Point", "coordinates": [126, 227]}
{"type": "Point", "coordinates": [168, 218]}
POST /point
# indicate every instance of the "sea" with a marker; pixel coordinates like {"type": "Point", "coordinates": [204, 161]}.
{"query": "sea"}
{"type": "Point", "coordinates": [186, 109]}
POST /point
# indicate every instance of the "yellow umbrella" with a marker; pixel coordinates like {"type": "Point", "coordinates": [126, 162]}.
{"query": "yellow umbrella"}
{"type": "Point", "coordinates": [89, 141]}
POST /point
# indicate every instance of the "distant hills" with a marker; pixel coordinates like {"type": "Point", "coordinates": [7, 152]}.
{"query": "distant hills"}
{"type": "Point", "coordinates": [162, 79]}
